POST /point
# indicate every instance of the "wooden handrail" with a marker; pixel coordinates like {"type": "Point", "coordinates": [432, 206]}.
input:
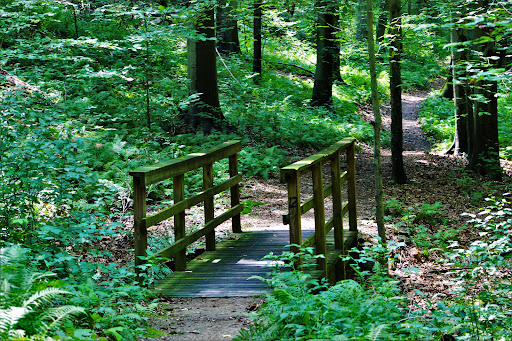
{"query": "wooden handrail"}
{"type": "Point", "coordinates": [296, 208]}
{"type": "Point", "coordinates": [177, 169]}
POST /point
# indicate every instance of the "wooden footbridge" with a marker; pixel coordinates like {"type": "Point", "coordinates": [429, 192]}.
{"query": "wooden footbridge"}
{"type": "Point", "coordinates": [226, 269]}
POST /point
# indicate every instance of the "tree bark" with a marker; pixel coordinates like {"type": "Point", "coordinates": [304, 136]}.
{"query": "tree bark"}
{"type": "Point", "coordinates": [256, 63]}
{"type": "Point", "coordinates": [205, 112]}
{"type": "Point", "coordinates": [336, 66]}
{"type": "Point", "coordinates": [459, 87]}
{"type": "Point", "coordinates": [398, 172]}
{"type": "Point", "coordinates": [379, 193]}
{"type": "Point", "coordinates": [383, 20]}
{"type": "Point", "coordinates": [325, 50]}
{"type": "Point", "coordinates": [227, 27]}
{"type": "Point", "coordinates": [484, 156]}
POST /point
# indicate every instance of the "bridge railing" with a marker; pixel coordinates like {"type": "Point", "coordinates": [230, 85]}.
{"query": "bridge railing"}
{"type": "Point", "coordinates": [314, 164]}
{"type": "Point", "coordinates": [177, 169]}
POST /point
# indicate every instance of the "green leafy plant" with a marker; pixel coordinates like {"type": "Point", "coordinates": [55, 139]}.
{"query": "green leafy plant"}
{"type": "Point", "coordinates": [262, 162]}
{"type": "Point", "coordinates": [29, 304]}
{"type": "Point", "coordinates": [301, 308]}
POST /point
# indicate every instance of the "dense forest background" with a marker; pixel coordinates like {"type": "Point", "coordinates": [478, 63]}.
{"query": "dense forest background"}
{"type": "Point", "coordinates": [93, 89]}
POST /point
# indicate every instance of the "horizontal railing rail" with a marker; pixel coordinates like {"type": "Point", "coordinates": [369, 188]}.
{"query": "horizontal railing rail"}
{"type": "Point", "coordinates": [177, 169]}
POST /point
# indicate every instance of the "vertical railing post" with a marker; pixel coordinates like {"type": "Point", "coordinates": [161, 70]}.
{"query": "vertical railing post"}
{"type": "Point", "coordinates": [337, 202]}
{"type": "Point", "coordinates": [293, 184]}
{"type": "Point", "coordinates": [235, 193]}
{"type": "Point", "coordinates": [140, 233]}
{"type": "Point", "coordinates": [180, 258]}
{"type": "Point", "coordinates": [318, 205]}
{"type": "Point", "coordinates": [351, 184]}
{"type": "Point", "coordinates": [209, 206]}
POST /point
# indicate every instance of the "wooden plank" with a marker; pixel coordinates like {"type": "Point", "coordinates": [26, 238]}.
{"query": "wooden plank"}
{"type": "Point", "coordinates": [303, 165]}
{"type": "Point", "coordinates": [182, 243]}
{"type": "Point", "coordinates": [308, 204]}
{"type": "Point", "coordinates": [337, 201]}
{"type": "Point", "coordinates": [235, 193]}
{"type": "Point", "coordinates": [180, 258]}
{"type": "Point", "coordinates": [294, 212]}
{"type": "Point", "coordinates": [351, 182]}
{"type": "Point", "coordinates": [209, 208]}
{"type": "Point", "coordinates": [140, 232]}
{"type": "Point", "coordinates": [221, 274]}
{"type": "Point", "coordinates": [319, 208]}
{"type": "Point", "coordinates": [194, 200]}
{"type": "Point", "coordinates": [169, 169]}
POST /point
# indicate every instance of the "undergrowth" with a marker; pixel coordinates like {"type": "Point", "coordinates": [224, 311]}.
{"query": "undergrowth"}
{"type": "Point", "coordinates": [372, 307]}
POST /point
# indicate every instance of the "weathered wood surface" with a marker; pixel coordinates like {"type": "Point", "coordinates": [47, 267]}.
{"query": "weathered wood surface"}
{"type": "Point", "coordinates": [225, 272]}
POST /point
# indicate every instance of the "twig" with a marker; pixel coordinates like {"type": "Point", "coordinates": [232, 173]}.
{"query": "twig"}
{"type": "Point", "coordinates": [224, 63]}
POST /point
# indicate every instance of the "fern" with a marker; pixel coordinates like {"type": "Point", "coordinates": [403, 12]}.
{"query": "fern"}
{"type": "Point", "coordinates": [376, 331]}
{"type": "Point", "coordinates": [19, 297]}
{"type": "Point", "coordinates": [58, 315]}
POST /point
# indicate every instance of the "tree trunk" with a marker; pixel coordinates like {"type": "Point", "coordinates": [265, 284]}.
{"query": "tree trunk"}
{"type": "Point", "coordinates": [398, 172]}
{"type": "Point", "coordinates": [459, 95]}
{"type": "Point", "coordinates": [205, 112]}
{"type": "Point", "coordinates": [362, 24]}
{"type": "Point", "coordinates": [227, 27]}
{"type": "Point", "coordinates": [383, 20]}
{"type": "Point", "coordinates": [256, 63]}
{"type": "Point", "coordinates": [325, 49]}
{"type": "Point", "coordinates": [379, 193]}
{"type": "Point", "coordinates": [336, 66]}
{"type": "Point", "coordinates": [484, 156]}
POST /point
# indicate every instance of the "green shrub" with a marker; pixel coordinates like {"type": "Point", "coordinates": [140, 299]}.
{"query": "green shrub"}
{"type": "Point", "coordinates": [438, 119]}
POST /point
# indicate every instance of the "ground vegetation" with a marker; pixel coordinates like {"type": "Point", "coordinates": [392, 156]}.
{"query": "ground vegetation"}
{"type": "Point", "coordinates": [90, 90]}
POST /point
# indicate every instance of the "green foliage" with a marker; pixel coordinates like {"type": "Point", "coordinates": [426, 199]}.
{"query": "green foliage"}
{"type": "Point", "coordinates": [480, 305]}
{"type": "Point", "coordinates": [301, 308]}
{"type": "Point", "coordinates": [28, 303]}
{"type": "Point", "coordinates": [249, 204]}
{"type": "Point", "coordinates": [505, 120]}
{"type": "Point", "coordinates": [438, 119]}
{"type": "Point", "coordinates": [264, 162]}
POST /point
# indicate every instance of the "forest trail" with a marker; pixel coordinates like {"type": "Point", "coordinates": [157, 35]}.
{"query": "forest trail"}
{"type": "Point", "coordinates": [222, 318]}
{"type": "Point", "coordinates": [414, 138]}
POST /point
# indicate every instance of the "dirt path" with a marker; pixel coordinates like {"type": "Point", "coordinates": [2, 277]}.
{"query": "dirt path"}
{"type": "Point", "coordinates": [433, 178]}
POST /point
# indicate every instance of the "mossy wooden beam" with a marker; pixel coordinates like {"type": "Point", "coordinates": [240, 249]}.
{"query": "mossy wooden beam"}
{"type": "Point", "coordinates": [169, 169]}
{"type": "Point", "coordinates": [305, 165]}
{"type": "Point", "coordinates": [194, 200]}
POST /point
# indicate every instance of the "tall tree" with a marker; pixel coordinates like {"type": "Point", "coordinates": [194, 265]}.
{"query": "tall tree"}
{"type": "Point", "coordinates": [484, 154]}
{"type": "Point", "coordinates": [460, 91]}
{"type": "Point", "coordinates": [256, 62]}
{"type": "Point", "coordinates": [382, 21]}
{"type": "Point", "coordinates": [227, 27]}
{"type": "Point", "coordinates": [377, 164]}
{"type": "Point", "coordinates": [205, 111]}
{"type": "Point", "coordinates": [325, 50]}
{"type": "Point", "coordinates": [395, 52]}
{"type": "Point", "coordinates": [362, 24]}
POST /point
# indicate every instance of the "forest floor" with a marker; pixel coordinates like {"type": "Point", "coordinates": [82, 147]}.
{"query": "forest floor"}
{"type": "Point", "coordinates": [432, 178]}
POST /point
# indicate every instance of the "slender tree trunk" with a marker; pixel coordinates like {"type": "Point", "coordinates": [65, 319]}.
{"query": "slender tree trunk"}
{"type": "Point", "coordinates": [460, 97]}
{"type": "Point", "coordinates": [336, 66]}
{"type": "Point", "coordinates": [227, 27]}
{"type": "Point", "coordinates": [379, 193]}
{"type": "Point", "coordinates": [325, 49]}
{"type": "Point", "coordinates": [484, 156]}
{"type": "Point", "coordinates": [398, 172]}
{"type": "Point", "coordinates": [205, 112]}
{"type": "Point", "coordinates": [362, 24]}
{"type": "Point", "coordinates": [383, 20]}
{"type": "Point", "coordinates": [256, 63]}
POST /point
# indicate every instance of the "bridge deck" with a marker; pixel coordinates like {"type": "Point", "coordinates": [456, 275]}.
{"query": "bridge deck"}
{"type": "Point", "coordinates": [225, 272]}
